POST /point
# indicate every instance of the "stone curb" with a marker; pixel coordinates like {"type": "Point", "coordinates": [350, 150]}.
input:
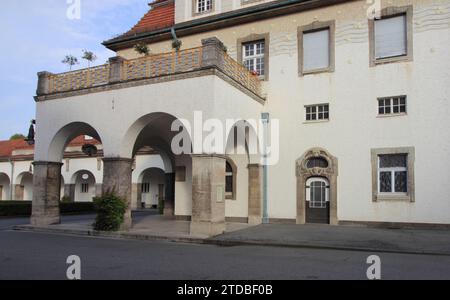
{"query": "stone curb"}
{"type": "Point", "coordinates": [217, 241]}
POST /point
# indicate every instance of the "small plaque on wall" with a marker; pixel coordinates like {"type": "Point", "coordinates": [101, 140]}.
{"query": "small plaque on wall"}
{"type": "Point", "coordinates": [180, 175]}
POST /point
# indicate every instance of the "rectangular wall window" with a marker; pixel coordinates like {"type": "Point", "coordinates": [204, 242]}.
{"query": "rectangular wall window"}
{"type": "Point", "coordinates": [392, 105]}
{"type": "Point", "coordinates": [393, 173]}
{"type": "Point", "coordinates": [145, 188]}
{"type": "Point", "coordinates": [316, 50]}
{"type": "Point", "coordinates": [319, 112]}
{"type": "Point", "coordinates": [203, 6]}
{"type": "Point", "coordinates": [390, 37]}
{"type": "Point", "coordinates": [253, 56]}
{"type": "Point", "coordinates": [85, 188]}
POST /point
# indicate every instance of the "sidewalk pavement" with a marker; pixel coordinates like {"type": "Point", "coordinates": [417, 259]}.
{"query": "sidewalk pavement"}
{"type": "Point", "coordinates": [433, 242]}
{"type": "Point", "coordinates": [359, 238]}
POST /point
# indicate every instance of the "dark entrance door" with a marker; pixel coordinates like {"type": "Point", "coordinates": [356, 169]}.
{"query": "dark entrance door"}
{"type": "Point", "coordinates": [317, 201]}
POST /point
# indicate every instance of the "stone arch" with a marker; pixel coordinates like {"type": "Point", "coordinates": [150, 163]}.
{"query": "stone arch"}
{"type": "Point", "coordinates": [304, 172]}
{"type": "Point", "coordinates": [65, 135]}
{"type": "Point", "coordinates": [155, 131]}
{"type": "Point", "coordinates": [5, 187]}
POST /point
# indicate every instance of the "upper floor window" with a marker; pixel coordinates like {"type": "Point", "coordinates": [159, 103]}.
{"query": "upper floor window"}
{"type": "Point", "coordinates": [316, 48]}
{"type": "Point", "coordinates": [392, 106]}
{"type": "Point", "coordinates": [391, 36]}
{"type": "Point", "coordinates": [319, 112]}
{"type": "Point", "coordinates": [203, 6]}
{"type": "Point", "coordinates": [254, 57]}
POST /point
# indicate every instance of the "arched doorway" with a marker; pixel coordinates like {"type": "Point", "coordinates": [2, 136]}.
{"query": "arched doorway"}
{"type": "Point", "coordinates": [152, 188]}
{"type": "Point", "coordinates": [84, 183]}
{"type": "Point", "coordinates": [4, 187]}
{"type": "Point", "coordinates": [317, 172]}
{"type": "Point", "coordinates": [317, 201]}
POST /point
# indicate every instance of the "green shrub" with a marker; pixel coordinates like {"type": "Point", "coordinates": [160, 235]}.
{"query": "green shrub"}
{"type": "Point", "coordinates": [110, 212]}
{"type": "Point", "coordinates": [66, 199]}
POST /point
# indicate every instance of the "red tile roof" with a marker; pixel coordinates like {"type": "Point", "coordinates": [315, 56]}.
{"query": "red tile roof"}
{"type": "Point", "coordinates": [8, 147]}
{"type": "Point", "coordinates": [161, 15]}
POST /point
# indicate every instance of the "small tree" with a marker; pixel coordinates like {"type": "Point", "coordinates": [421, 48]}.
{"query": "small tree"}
{"type": "Point", "coordinates": [89, 56]}
{"type": "Point", "coordinates": [17, 136]}
{"type": "Point", "coordinates": [142, 49]}
{"type": "Point", "coordinates": [70, 60]}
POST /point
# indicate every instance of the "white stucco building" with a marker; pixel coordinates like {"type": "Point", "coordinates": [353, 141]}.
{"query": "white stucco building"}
{"type": "Point", "coordinates": [362, 106]}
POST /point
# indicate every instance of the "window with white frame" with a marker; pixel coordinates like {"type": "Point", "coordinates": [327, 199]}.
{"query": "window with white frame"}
{"type": "Point", "coordinates": [319, 112]}
{"type": "Point", "coordinates": [203, 6]}
{"type": "Point", "coordinates": [145, 188]}
{"type": "Point", "coordinates": [316, 50]}
{"type": "Point", "coordinates": [391, 37]}
{"type": "Point", "coordinates": [393, 174]}
{"type": "Point", "coordinates": [254, 57]}
{"type": "Point", "coordinates": [392, 105]}
{"type": "Point", "coordinates": [85, 188]}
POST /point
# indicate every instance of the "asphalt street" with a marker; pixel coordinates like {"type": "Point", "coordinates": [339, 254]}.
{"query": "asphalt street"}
{"type": "Point", "coordinates": [25, 255]}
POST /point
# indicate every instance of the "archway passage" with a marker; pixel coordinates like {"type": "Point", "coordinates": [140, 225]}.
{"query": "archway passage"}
{"type": "Point", "coordinates": [4, 187]}
{"type": "Point", "coordinates": [47, 174]}
{"type": "Point", "coordinates": [317, 172]}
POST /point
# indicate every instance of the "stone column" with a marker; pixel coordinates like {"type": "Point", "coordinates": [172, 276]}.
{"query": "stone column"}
{"type": "Point", "coordinates": [213, 53]}
{"type": "Point", "coordinates": [169, 199]}
{"type": "Point", "coordinates": [98, 189]}
{"type": "Point", "coordinates": [255, 194]}
{"type": "Point", "coordinates": [117, 179]}
{"type": "Point", "coordinates": [208, 195]}
{"type": "Point", "coordinates": [46, 193]}
{"type": "Point", "coordinates": [69, 191]}
{"type": "Point", "coordinates": [135, 203]}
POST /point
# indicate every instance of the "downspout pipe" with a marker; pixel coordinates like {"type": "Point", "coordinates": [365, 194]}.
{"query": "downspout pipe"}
{"type": "Point", "coordinates": [265, 120]}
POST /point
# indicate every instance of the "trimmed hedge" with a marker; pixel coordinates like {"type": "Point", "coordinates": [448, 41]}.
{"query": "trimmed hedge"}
{"type": "Point", "coordinates": [23, 208]}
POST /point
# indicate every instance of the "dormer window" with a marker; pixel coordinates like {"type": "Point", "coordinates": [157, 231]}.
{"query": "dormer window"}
{"type": "Point", "coordinates": [203, 6]}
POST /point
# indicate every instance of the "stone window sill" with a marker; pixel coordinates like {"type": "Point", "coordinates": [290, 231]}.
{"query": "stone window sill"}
{"type": "Point", "coordinates": [393, 198]}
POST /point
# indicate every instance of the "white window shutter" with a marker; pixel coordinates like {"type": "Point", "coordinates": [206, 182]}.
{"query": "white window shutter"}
{"type": "Point", "coordinates": [316, 50]}
{"type": "Point", "coordinates": [390, 37]}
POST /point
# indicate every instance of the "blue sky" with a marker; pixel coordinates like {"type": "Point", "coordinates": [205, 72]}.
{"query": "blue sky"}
{"type": "Point", "coordinates": [37, 34]}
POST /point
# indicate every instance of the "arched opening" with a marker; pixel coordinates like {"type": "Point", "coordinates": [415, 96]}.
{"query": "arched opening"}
{"type": "Point", "coordinates": [317, 172]}
{"type": "Point", "coordinates": [152, 188]}
{"type": "Point", "coordinates": [171, 181]}
{"type": "Point", "coordinates": [5, 185]}
{"type": "Point", "coordinates": [24, 187]}
{"type": "Point", "coordinates": [70, 138]}
{"type": "Point", "coordinates": [84, 183]}
{"type": "Point", "coordinates": [243, 177]}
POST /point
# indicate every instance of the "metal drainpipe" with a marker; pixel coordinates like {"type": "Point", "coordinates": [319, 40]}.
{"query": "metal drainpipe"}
{"type": "Point", "coordinates": [266, 120]}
